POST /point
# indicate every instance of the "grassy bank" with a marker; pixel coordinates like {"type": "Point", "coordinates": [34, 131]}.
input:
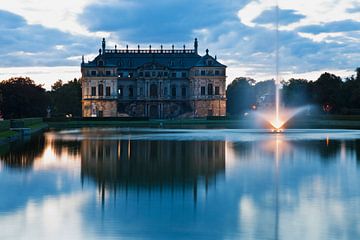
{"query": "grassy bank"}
{"type": "Point", "coordinates": [10, 130]}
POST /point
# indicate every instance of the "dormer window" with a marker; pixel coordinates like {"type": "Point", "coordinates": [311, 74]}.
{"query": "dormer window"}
{"type": "Point", "coordinates": [101, 63]}
{"type": "Point", "coordinates": [209, 62]}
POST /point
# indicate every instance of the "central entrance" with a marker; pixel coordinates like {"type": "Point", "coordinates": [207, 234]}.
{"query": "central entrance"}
{"type": "Point", "coordinates": [154, 113]}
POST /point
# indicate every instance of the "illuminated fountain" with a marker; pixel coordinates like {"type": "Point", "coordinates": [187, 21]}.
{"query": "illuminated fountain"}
{"type": "Point", "coordinates": [277, 117]}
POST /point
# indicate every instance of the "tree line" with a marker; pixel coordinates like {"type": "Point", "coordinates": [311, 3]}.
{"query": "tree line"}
{"type": "Point", "coordinates": [21, 97]}
{"type": "Point", "coordinates": [328, 94]}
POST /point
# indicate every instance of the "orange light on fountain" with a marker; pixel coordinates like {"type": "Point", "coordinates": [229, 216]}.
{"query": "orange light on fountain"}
{"type": "Point", "coordinates": [277, 125]}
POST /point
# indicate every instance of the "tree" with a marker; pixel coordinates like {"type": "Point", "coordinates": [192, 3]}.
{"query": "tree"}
{"type": "Point", "coordinates": [297, 92]}
{"type": "Point", "coordinates": [66, 98]}
{"type": "Point", "coordinates": [327, 90]}
{"type": "Point", "coordinates": [21, 97]}
{"type": "Point", "coordinates": [357, 74]}
{"type": "Point", "coordinates": [240, 95]}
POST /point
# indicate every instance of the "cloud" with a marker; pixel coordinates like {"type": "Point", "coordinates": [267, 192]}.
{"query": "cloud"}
{"type": "Point", "coordinates": [286, 16]}
{"type": "Point", "coordinates": [354, 9]}
{"type": "Point", "coordinates": [158, 21]}
{"type": "Point", "coordinates": [26, 44]}
{"type": "Point", "coordinates": [9, 20]}
{"type": "Point", "coordinates": [338, 26]}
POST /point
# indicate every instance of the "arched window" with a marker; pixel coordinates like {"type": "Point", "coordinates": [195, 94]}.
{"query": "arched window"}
{"type": "Point", "coordinates": [210, 89]}
{"type": "Point", "coordinates": [101, 90]}
{"type": "Point", "coordinates": [153, 90]}
{"type": "Point", "coordinates": [173, 91]}
{"type": "Point", "coordinates": [101, 63]}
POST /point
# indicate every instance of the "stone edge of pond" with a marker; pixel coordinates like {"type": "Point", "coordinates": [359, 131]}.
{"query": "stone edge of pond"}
{"type": "Point", "coordinates": [11, 136]}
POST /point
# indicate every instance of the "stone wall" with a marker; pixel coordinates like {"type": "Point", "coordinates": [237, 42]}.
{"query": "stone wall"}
{"type": "Point", "coordinates": [204, 108]}
{"type": "Point", "coordinates": [108, 107]}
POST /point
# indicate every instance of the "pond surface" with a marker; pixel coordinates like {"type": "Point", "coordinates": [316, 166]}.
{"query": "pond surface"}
{"type": "Point", "coordinates": [108, 183]}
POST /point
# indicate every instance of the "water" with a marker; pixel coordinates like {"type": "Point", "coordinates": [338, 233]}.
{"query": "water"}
{"type": "Point", "coordinates": [181, 184]}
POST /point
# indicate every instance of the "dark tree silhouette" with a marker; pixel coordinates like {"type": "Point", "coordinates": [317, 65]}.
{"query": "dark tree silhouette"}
{"type": "Point", "coordinates": [240, 96]}
{"type": "Point", "coordinates": [66, 98]}
{"type": "Point", "coordinates": [21, 97]}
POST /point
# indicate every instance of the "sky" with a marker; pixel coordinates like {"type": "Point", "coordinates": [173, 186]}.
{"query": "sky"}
{"type": "Point", "coordinates": [45, 39]}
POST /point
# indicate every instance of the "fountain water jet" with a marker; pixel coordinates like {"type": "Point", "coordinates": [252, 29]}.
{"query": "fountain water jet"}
{"type": "Point", "coordinates": [281, 116]}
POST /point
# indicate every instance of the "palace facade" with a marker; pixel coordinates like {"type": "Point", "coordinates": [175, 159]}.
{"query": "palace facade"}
{"type": "Point", "coordinates": [154, 83]}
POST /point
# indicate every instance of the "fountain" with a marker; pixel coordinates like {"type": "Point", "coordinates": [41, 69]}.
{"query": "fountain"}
{"type": "Point", "coordinates": [277, 118]}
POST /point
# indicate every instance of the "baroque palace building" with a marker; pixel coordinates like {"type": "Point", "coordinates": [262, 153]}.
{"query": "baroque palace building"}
{"type": "Point", "coordinates": [154, 83]}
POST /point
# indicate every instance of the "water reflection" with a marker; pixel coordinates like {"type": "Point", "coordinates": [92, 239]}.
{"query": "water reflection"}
{"type": "Point", "coordinates": [137, 185]}
{"type": "Point", "coordinates": [164, 165]}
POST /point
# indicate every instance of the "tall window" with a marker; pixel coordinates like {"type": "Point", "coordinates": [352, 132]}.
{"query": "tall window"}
{"type": "Point", "coordinates": [108, 73]}
{"type": "Point", "coordinates": [153, 90]}
{"type": "Point", "coordinates": [108, 91]}
{"type": "Point", "coordinates": [173, 91]}
{"type": "Point", "coordinates": [183, 91]}
{"type": "Point", "coordinates": [202, 91]}
{"type": "Point", "coordinates": [121, 91]}
{"type": "Point", "coordinates": [183, 74]}
{"type": "Point", "coordinates": [101, 90]}
{"type": "Point", "coordinates": [210, 89]}
{"type": "Point", "coordinates": [93, 73]}
{"type": "Point", "coordinates": [217, 90]}
{"type": "Point", "coordinates": [202, 72]}
{"type": "Point", "coordinates": [131, 91]}
{"type": "Point", "coordinates": [93, 91]}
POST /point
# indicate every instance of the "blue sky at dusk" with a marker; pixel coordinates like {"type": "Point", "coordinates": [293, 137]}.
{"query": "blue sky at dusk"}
{"type": "Point", "coordinates": [45, 39]}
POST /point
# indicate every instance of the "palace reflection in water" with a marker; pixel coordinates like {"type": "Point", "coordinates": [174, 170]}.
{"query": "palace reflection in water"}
{"type": "Point", "coordinates": [165, 184]}
{"type": "Point", "coordinates": [165, 165]}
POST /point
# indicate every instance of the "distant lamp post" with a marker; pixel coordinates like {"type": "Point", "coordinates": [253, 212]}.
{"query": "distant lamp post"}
{"type": "Point", "coordinates": [327, 107]}
{"type": "Point", "coordinates": [48, 112]}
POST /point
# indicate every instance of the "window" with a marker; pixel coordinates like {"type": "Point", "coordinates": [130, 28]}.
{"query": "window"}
{"type": "Point", "coordinates": [217, 90]}
{"type": "Point", "coordinates": [131, 92]}
{"type": "Point", "coordinates": [165, 74]}
{"type": "Point", "coordinates": [101, 63]}
{"type": "Point", "coordinates": [173, 74]}
{"type": "Point", "coordinates": [153, 90]}
{"type": "Point", "coordinates": [217, 72]}
{"type": "Point", "coordinates": [165, 91]}
{"type": "Point", "coordinates": [153, 74]}
{"type": "Point", "coordinates": [93, 91]}
{"type": "Point", "coordinates": [108, 91]}
{"type": "Point", "coordinates": [93, 73]}
{"type": "Point", "coordinates": [210, 89]}
{"type": "Point", "coordinates": [141, 74]}
{"type": "Point", "coordinates": [202, 72]}
{"type": "Point", "coordinates": [147, 74]}
{"type": "Point", "coordinates": [209, 62]}
{"type": "Point", "coordinates": [121, 75]}
{"type": "Point", "coordinates": [101, 90]}
{"type": "Point", "coordinates": [173, 91]}
{"type": "Point", "coordinates": [202, 91]}
{"type": "Point", "coordinates": [130, 75]}
{"type": "Point", "coordinates": [183, 74]}
{"type": "Point", "coordinates": [121, 91]}
{"type": "Point", "coordinates": [183, 91]}
{"type": "Point", "coordinates": [108, 73]}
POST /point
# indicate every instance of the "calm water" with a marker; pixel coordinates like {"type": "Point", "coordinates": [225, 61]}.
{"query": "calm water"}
{"type": "Point", "coordinates": [181, 184]}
